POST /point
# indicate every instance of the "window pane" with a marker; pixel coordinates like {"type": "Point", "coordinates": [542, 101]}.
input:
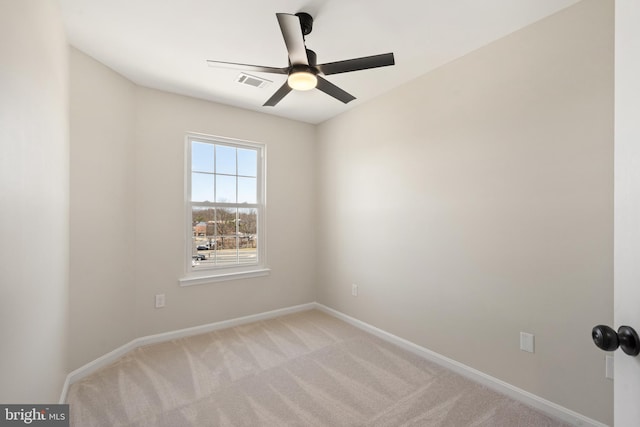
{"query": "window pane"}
{"type": "Point", "coordinates": [247, 190]}
{"type": "Point", "coordinates": [203, 214]}
{"type": "Point", "coordinates": [247, 162]}
{"type": "Point", "coordinates": [225, 189]}
{"type": "Point", "coordinates": [202, 187]}
{"type": "Point", "coordinates": [226, 221]}
{"type": "Point", "coordinates": [201, 157]}
{"type": "Point", "coordinates": [203, 242]}
{"type": "Point", "coordinates": [247, 222]}
{"type": "Point", "coordinates": [247, 236]}
{"type": "Point", "coordinates": [225, 160]}
{"type": "Point", "coordinates": [227, 253]}
{"type": "Point", "coordinates": [248, 252]}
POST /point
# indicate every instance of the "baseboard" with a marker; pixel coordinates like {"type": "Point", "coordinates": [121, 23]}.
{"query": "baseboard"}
{"type": "Point", "coordinates": [114, 355]}
{"type": "Point", "coordinates": [530, 399]}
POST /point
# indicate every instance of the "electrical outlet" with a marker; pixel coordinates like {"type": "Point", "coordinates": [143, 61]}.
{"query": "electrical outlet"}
{"type": "Point", "coordinates": [354, 289]}
{"type": "Point", "coordinates": [526, 342]}
{"type": "Point", "coordinates": [160, 300]}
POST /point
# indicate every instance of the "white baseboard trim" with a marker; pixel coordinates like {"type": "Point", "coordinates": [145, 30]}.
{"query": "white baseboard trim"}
{"type": "Point", "coordinates": [530, 399]}
{"type": "Point", "coordinates": [114, 355]}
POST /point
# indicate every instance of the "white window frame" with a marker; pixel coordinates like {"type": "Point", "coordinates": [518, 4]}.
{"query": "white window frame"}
{"type": "Point", "coordinates": [223, 273]}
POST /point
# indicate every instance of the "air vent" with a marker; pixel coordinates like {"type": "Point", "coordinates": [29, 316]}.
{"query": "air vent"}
{"type": "Point", "coordinates": [247, 79]}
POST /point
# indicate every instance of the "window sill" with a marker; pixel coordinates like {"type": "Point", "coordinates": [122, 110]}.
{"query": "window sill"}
{"type": "Point", "coordinates": [205, 278]}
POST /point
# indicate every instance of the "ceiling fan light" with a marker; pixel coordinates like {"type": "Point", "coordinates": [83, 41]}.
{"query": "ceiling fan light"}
{"type": "Point", "coordinates": [302, 80]}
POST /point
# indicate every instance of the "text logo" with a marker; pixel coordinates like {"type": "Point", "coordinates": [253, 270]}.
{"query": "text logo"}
{"type": "Point", "coordinates": [34, 415]}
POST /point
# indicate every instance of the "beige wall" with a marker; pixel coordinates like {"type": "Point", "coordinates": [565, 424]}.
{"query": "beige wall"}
{"type": "Point", "coordinates": [34, 221]}
{"type": "Point", "coordinates": [477, 202]}
{"type": "Point", "coordinates": [103, 199]}
{"type": "Point", "coordinates": [127, 242]}
{"type": "Point", "coordinates": [163, 120]}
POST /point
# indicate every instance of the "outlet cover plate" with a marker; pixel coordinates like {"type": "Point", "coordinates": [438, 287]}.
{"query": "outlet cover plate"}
{"type": "Point", "coordinates": [526, 342]}
{"type": "Point", "coordinates": [160, 300]}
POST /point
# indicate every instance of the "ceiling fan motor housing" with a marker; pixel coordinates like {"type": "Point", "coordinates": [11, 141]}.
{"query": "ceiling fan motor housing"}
{"type": "Point", "coordinates": [303, 69]}
{"type": "Point", "coordinates": [306, 22]}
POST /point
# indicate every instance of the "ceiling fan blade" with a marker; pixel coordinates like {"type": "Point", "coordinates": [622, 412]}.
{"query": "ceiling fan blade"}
{"type": "Point", "coordinates": [293, 38]}
{"type": "Point", "coordinates": [277, 97]}
{"type": "Point", "coordinates": [333, 90]}
{"type": "Point", "coordinates": [356, 64]}
{"type": "Point", "coordinates": [247, 67]}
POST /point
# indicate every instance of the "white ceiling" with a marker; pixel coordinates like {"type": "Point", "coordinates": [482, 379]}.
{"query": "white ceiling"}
{"type": "Point", "coordinates": [164, 44]}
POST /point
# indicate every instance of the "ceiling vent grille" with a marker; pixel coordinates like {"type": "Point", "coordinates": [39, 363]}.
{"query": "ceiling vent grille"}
{"type": "Point", "coordinates": [249, 80]}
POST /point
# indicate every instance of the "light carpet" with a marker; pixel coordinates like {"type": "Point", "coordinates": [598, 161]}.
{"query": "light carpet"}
{"type": "Point", "coordinates": [303, 369]}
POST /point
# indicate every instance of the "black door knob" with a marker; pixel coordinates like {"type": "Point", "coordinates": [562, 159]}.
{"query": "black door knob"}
{"type": "Point", "coordinates": [629, 341]}
{"type": "Point", "coordinates": [607, 339]}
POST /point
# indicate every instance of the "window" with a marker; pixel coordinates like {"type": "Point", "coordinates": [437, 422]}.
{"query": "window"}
{"type": "Point", "coordinates": [224, 209]}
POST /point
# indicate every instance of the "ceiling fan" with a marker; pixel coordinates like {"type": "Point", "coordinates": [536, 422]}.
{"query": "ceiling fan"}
{"type": "Point", "coordinates": [303, 71]}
